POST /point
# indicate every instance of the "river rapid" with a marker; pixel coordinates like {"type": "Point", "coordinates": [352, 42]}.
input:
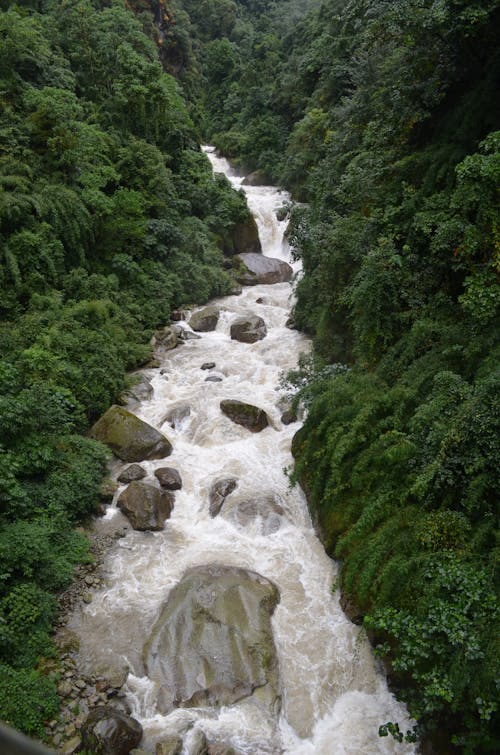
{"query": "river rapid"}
{"type": "Point", "coordinates": [334, 695]}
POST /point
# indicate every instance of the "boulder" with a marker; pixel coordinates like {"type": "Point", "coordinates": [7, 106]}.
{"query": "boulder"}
{"type": "Point", "coordinates": [176, 414]}
{"type": "Point", "coordinates": [131, 473]}
{"type": "Point", "coordinates": [184, 334]}
{"type": "Point", "coordinates": [256, 178]}
{"type": "Point", "coordinates": [244, 238]}
{"type": "Point", "coordinates": [289, 416]}
{"type": "Point", "coordinates": [219, 492]}
{"type": "Point", "coordinates": [145, 506]}
{"type": "Point", "coordinates": [213, 379]}
{"type": "Point", "coordinates": [207, 366]}
{"type": "Point", "coordinates": [204, 320]}
{"type": "Point", "coordinates": [170, 746]}
{"type": "Point", "coordinates": [107, 490]}
{"type": "Point", "coordinates": [169, 478]}
{"type": "Point", "coordinates": [213, 643]}
{"type": "Point", "coordinates": [251, 417]}
{"type": "Point", "coordinates": [248, 329]}
{"type": "Point", "coordinates": [166, 338]}
{"type": "Point", "coordinates": [244, 512]}
{"type": "Point", "coordinates": [253, 269]}
{"type": "Point", "coordinates": [130, 438]}
{"type": "Point", "coordinates": [107, 731]}
{"type": "Point", "coordinates": [140, 390]}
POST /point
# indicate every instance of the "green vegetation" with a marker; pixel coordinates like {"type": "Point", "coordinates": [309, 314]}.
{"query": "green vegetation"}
{"type": "Point", "coordinates": [384, 117]}
{"type": "Point", "coordinates": [109, 218]}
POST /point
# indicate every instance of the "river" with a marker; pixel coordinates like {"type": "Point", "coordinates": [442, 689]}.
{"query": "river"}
{"type": "Point", "coordinates": [334, 695]}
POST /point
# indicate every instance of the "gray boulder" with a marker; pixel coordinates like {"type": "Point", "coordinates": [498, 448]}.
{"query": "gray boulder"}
{"type": "Point", "coordinates": [145, 506]}
{"type": "Point", "coordinates": [131, 473]}
{"type": "Point", "coordinates": [169, 478]}
{"type": "Point", "coordinates": [109, 732]}
{"type": "Point", "coordinates": [130, 438]}
{"type": "Point", "coordinates": [165, 339]}
{"type": "Point", "coordinates": [204, 320]}
{"type": "Point", "coordinates": [251, 417]}
{"type": "Point", "coordinates": [213, 642]}
{"type": "Point", "coordinates": [219, 492]}
{"type": "Point", "coordinates": [248, 329]}
{"type": "Point", "coordinates": [257, 178]}
{"type": "Point", "coordinates": [253, 269]}
{"type": "Point", "coordinates": [140, 390]}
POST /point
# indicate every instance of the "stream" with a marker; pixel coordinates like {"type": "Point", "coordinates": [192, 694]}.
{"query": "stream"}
{"type": "Point", "coordinates": [334, 694]}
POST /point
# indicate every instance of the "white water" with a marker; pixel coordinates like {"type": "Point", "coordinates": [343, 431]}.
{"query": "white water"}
{"type": "Point", "coordinates": [334, 696]}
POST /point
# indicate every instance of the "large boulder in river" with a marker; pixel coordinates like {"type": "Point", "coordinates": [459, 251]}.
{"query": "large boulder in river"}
{"type": "Point", "coordinates": [107, 731]}
{"type": "Point", "coordinates": [213, 642]}
{"type": "Point", "coordinates": [145, 506]}
{"type": "Point", "coordinates": [248, 329]}
{"type": "Point", "coordinates": [248, 415]}
{"type": "Point", "coordinates": [253, 269]}
{"type": "Point", "coordinates": [131, 473]}
{"type": "Point", "coordinates": [169, 478]}
{"type": "Point", "coordinates": [204, 320]}
{"type": "Point", "coordinates": [130, 438]}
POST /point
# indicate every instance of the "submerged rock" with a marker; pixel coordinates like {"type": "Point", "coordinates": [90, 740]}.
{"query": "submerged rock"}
{"type": "Point", "coordinates": [132, 473]}
{"type": "Point", "coordinates": [109, 732]}
{"type": "Point", "coordinates": [176, 414]}
{"type": "Point", "coordinates": [251, 417]}
{"type": "Point", "coordinates": [244, 512]}
{"type": "Point", "coordinates": [213, 643]}
{"type": "Point", "coordinates": [169, 478]}
{"type": "Point", "coordinates": [253, 269]}
{"type": "Point", "coordinates": [219, 492]}
{"type": "Point", "coordinates": [204, 320]}
{"type": "Point", "coordinates": [145, 506]}
{"type": "Point", "coordinates": [130, 438]}
{"type": "Point", "coordinates": [248, 329]}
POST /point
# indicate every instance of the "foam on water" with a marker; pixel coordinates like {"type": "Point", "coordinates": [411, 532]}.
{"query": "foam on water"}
{"type": "Point", "coordinates": [334, 696]}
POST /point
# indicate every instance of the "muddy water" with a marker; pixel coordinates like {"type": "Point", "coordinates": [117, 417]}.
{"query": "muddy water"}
{"type": "Point", "coordinates": [334, 696]}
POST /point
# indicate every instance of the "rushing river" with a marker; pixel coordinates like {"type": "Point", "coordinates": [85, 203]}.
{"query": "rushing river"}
{"type": "Point", "coordinates": [334, 696]}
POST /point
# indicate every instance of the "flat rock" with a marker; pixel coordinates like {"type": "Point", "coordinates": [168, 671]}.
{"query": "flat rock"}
{"type": "Point", "coordinates": [252, 269]}
{"type": "Point", "coordinates": [169, 478]}
{"type": "Point", "coordinates": [146, 507]}
{"type": "Point", "coordinates": [131, 473]}
{"type": "Point", "coordinates": [204, 320]}
{"type": "Point", "coordinates": [219, 492]}
{"type": "Point", "coordinates": [213, 642]}
{"type": "Point", "coordinates": [107, 731]}
{"type": "Point", "coordinates": [248, 329]}
{"type": "Point", "coordinates": [247, 415]}
{"type": "Point", "coordinates": [130, 438]}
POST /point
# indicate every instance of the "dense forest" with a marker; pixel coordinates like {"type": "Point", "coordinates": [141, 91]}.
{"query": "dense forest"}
{"type": "Point", "coordinates": [382, 119]}
{"type": "Point", "coordinates": [109, 217]}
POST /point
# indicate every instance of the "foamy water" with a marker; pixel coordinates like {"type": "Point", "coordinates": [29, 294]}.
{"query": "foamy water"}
{"type": "Point", "coordinates": [334, 696]}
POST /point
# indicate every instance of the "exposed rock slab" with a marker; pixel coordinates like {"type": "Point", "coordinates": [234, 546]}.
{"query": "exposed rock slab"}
{"type": "Point", "coordinates": [248, 415]}
{"type": "Point", "coordinates": [130, 438]}
{"type": "Point", "coordinates": [109, 732]}
{"type": "Point", "coordinates": [219, 492]}
{"type": "Point", "coordinates": [213, 642]}
{"type": "Point", "coordinates": [204, 320]}
{"type": "Point", "coordinates": [145, 506]}
{"type": "Point", "coordinates": [253, 269]}
{"type": "Point", "coordinates": [169, 478]}
{"type": "Point", "coordinates": [248, 329]}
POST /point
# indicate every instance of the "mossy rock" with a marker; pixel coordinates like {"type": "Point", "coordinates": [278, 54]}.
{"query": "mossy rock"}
{"type": "Point", "coordinates": [130, 438]}
{"type": "Point", "coordinates": [145, 506]}
{"type": "Point", "coordinates": [244, 238]}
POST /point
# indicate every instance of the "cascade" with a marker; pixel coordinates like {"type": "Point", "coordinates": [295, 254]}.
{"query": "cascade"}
{"type": "Point", "coordinates": [333, 693]}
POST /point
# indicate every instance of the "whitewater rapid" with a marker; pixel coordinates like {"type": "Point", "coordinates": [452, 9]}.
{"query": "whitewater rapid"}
{"type": "Point", "coordinates": [334, 694]}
